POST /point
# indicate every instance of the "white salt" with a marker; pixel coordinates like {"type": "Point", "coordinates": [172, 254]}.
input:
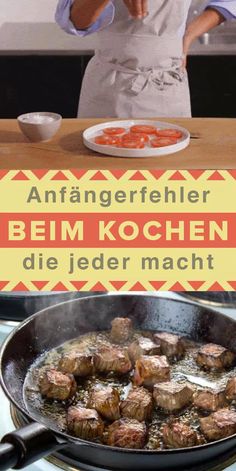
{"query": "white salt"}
{"type": "Point", "coordinates": [38, 119]}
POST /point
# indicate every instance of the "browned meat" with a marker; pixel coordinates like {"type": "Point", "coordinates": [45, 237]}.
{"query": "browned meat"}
{"type": "Point", "coordinates": [84, 423]}
{"type": "Point", "coordinates": [127, 433]}
{"type": "Point", "coordinates": [171, 345]}
{"type": "Point", "coordinates": [230, 390]}
{"type": "Point", "coordinates": [106, 401]}
{"type": "Point", "coordinates": [138, 405]}
{"type": "Point", "coordinates": [143, 346]}
{"type": "Point", "coordinates": [56, 385]}
{"type": "Point", "coordinates": [77, 363]}
{"type": "Point", "coordinates": [150, 370]}
{"type": "Point", "coordinates": [212, 356]}
{"type": "Point", "coordinates": [172, 396]}
{"type": "Point", "coordinates": [218, 425]}
{"type": "Point", "coordinates": [115, 359]}
{"type": "Point", "coordinates": [179, 435]}
{"type": "Point", "coordinates": [121, 329]}
{"type": "Point", "coordinates": [210, 399]}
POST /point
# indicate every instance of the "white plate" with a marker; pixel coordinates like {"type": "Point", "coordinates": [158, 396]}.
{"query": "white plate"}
{"type": "Point", "coordinates": [90, 133]}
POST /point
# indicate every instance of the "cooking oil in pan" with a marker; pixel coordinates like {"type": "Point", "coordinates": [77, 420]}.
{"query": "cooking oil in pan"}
{"type": "Point", "coordinates": [184, 370]}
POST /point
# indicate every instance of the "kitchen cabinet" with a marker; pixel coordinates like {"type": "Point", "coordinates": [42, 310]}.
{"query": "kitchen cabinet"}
{"type": "Point", "coordinates": [44, 82]}
{"type": "Point", "coordinates": [212, 83]}
{"type": "Point", "coordinates": [33, 83]}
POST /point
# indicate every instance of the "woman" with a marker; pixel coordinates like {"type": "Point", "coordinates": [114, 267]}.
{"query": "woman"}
{"type": "Point", "coordinates": [139, 65]}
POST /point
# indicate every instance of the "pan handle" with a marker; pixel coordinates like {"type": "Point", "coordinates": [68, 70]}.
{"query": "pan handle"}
{"type": "Point", "coordinates": [27, 445]}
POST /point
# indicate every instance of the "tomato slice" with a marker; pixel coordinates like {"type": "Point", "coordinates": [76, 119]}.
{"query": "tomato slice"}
{"type": "Point", "coordinates": [107, 140]}
{"type": "Point", "coordinates": [143, 129]}
{"type": "Point", "coordinates": [163, 141]}
{"type": "Point", "coordinates": [175, 133]}
{"type": "Point", "coordinates": [132, 144]}
{"type": "Point", "coordinates": [114, 131]}
{"type": "Point", "coordinates": [140, 137]}
{"type": "Point", "coordinates": [116, 141]}
{"type": "Point", "coordinates": [103, 140]}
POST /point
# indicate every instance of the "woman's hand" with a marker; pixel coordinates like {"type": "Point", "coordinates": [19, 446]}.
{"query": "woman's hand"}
{"type": "Point", "coordinates": [137, 8]}
{"type": "Point", "coordinates": [209, 19]}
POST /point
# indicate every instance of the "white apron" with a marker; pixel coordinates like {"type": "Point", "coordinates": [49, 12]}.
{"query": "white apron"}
{"type": "Point", "coordinates": [137, 69]}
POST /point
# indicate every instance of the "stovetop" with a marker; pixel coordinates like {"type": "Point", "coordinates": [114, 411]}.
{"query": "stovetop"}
{"type": "Point", "coordinates": [6, 423]}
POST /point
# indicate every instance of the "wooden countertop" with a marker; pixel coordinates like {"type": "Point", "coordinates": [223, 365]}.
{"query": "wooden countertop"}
{"type": "Point", "coordinates": [213, 146]}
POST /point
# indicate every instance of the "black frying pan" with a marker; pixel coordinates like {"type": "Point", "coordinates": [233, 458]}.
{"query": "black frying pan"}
{"type": "Point", "coordinates": [212, 298]}
{"type": "Point", "coordinates": [55, 325]}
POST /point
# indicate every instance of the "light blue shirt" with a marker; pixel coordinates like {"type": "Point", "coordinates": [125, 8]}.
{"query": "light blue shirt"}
{"type": "Point", "coordinates": [226, 7]}
{"type": "Point", "coordinates": [62, 17]}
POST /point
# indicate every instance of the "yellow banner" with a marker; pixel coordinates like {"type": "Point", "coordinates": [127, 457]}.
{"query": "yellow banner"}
{"type": "Point", "coordinates": [85, 269]}
{"type": "Point", "coordinates": [130, 191]}
{"type": "Point", "coordinates": [114, 230]}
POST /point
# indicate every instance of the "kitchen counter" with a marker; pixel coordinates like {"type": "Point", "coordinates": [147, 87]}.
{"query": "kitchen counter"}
{"type": "Point", "coordinates": [213, 145]}
{"type": "Point", "coordinates": [199, 49]}
{"type": "Point", "coordinates": [48, 39]}
{"type": "Point", "coordinates": [42, 39]}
